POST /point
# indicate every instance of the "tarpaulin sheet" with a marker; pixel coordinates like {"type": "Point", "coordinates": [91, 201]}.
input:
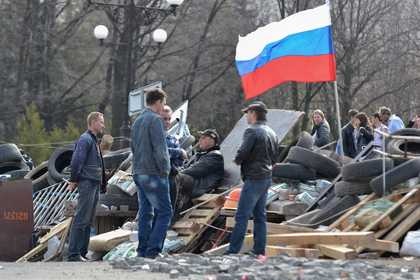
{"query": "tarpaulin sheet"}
{"type": "Point", "coordinates": [281, 121]}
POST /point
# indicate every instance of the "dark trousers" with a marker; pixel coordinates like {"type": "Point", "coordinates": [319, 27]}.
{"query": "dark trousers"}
{"type": "Point", "coordinates": [85, 211]}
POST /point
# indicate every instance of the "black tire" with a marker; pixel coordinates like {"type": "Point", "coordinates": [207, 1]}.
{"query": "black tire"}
{"type": "Point", "coordinates": [59, 162]}
{"type": "Point", "coordinates": [7, 167]}
{"type": "Point", "coordinates": [113, 159]}
{"type": "Point", "coordinates": [395, 176]}
{"type": "Point", "coordinates": [359, 171]}
{"type": "Point", "coordinates": [323, 165]}
{"type": "Point", "coordinates": [305, 140]}
{"type": "Point", "coordinates": [342, 160]}
{"type": "Point", "coordinates": [407, 132]}
{"type": "Point", "coordinates": [10, 153]}
{"type": "Point", "coordinates": [397, 146]}
{"type": "Point", "coordinates": [293, 171]}
{"type": "Point", "coordinates": [39, 176]}
{"type": "Point", "coordinates": [118, 200]}
{"type": "Point", "coordinates": [334, 206]}
{"type": "Point", "coordinates": [344, 188]}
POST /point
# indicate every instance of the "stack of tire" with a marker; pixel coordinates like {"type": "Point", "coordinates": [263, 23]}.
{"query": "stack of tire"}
{"type": "Point", "coordinates": [302, 163]}
{"type": "Point", "coordinates": [12, 162]}
{"type": "Point", "coordinates": [356, 177]}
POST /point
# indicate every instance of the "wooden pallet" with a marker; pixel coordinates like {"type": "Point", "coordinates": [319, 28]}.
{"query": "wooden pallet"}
{"type": "Point", "coordinates": [193, 224]}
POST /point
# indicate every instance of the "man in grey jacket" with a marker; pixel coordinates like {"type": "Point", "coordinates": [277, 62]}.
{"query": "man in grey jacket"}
{"type": "Point", "coordinates": [151, 166]}
{"type": "Point", "coordinates": [257, 154]}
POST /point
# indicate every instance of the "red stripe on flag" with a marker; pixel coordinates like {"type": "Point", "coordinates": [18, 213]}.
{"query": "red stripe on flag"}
{"type": "Point", "coordinates": [305, 69]}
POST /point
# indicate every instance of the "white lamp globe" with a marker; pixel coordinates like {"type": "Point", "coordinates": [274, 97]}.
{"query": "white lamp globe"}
{"type": "Point", "coordinates": [101, 32]}
{"type": "Point", "coordinates": [175, 2]}
{"type": "Point", "coordinates": [159, 36]}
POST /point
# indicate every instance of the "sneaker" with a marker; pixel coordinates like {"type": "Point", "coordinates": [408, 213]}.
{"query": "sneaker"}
{"type": "Point", "coordinates": [76, 259]}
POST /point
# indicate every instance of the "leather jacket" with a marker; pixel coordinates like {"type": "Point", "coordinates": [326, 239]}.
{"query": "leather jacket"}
{"type": "Point", "coordinates": [258, 152]}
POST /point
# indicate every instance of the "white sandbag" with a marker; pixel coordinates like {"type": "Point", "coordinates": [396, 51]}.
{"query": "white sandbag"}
{"type": "Point", "coordinates": [411, 244]}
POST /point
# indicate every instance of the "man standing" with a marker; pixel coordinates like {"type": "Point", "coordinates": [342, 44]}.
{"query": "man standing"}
{"type": "Point", "coordinates": [392, 121]}
{"type": "Point", "coordinates": [177, 155]}
{"type": "Point", "coordinates": [349, 139]}
{"type": "Point", "coordinates": [87, 174]}
{"type": "Point", "coordinates": [151, 168]}
{"type": "Point", "coordinates": [256, 156]}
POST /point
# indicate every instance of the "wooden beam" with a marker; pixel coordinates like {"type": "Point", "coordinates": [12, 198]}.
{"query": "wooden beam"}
{"type": "Point", "coordinates": [346, 215]}
{"type": "Point", "coordinates": [398, 232]}
{"type": "Point", "coordinates": [56, 230]}
{"type": "Point", "coordinates": [337, 252]}
{"type": "Point", "coordinates": [272, 228]}
{"type": "Point", "coordinates": [271, 251]}
{"type": "Point", "coordinates": [390, 210]}
{"type": "Point", "coordinates": [350, 238]}
{"type": "Point", "coordinates": [407, 211]}
{"type": "Point", "coordinates": [384, 245]}
{"type": "Point", "coordinates": [38, 249]}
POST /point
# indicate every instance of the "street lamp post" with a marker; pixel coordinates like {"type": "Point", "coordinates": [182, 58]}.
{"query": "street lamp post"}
{"type": "Point", "coordinates": [159, 36]}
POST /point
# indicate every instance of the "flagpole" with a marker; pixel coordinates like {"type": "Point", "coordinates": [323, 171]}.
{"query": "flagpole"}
{"type": "Point", "coordinates": [337, 106]}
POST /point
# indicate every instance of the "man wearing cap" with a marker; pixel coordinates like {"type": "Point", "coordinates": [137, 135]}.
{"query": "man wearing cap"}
{"type": "Point", "coordinates": [202, 173]}
{"type": "Point", "coordinates": [256, 155]}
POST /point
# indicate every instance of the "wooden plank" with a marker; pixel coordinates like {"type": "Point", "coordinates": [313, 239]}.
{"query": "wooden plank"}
{"type": "Point", "coordinates": [35, 251]}
{"type": "Point", "coordinates": [337, 252]}
{"type": "Point", "coordinates": [407, 211]}
{"type": "Point", "coordinates": [62, 242]}
{"type": "Point", "coordinates": [390, 210]}
{"type": "Point", "coordinates": [271, 251]}
{"type": "Point", "coordinates": [200, 212]}
{"type": "Point", "coordinates": [272, 228]}
{"type": "Point", "coordinates": [350, 238]}
{"type": "Point", "coordinates": [56, 230]}
{"type": "Point", "coordinates": [353, 210]}
{"type": "Point", "coordinates": [384, 245]}
{"type": "Point", "coordinates": [398, 232]}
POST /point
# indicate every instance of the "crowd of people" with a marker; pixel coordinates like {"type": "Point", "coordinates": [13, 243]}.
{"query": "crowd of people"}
{"type": "Point", "coordinates": [360, 130]}
{"type": "Point", "coordinates": [168, 178]}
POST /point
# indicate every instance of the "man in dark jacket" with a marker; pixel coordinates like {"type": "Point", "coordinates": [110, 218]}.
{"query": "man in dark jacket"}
{"type": "Point", "coordinates": [87, 174]}
{"type": "Point", "coordinates": [151, 168]}
{"type": "Point", "coordinates": [349, 140]}
{"type": "Point", "coordinates": [257, 154]}
{"type": "Point", "coordinates": [203, 172]}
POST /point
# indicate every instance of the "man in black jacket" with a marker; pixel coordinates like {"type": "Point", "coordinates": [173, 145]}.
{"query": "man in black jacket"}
{"type": "Point", "coordinates": [349, 137]}
{"type": "Point", "coordinates": [257, 154]}
{"type": "Point", "coordinates": [202, 173]}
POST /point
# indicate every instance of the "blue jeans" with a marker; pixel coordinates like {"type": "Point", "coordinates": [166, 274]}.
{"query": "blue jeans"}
{"type": "Point", "coordinates": [85, 211]}
{"type": "Point", "coordinates": [252, 202]}
{"type": "Point", "coordinates": [153, 194]}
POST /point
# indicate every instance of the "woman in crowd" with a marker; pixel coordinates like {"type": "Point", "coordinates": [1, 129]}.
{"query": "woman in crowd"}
{"type": "Point", "coordinates": [364, 131]}
{"type": "Point", "coordinates": [321, 129]}
{"type": "Point", "coordinates": [415, 122]}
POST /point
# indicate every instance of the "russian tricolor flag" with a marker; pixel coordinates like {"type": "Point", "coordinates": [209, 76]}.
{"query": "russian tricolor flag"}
{"type": "Point", "coordinates": [299, 48]}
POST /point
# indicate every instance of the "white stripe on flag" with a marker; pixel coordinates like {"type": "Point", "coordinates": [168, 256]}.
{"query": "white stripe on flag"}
{"type": "Point", "coordinates": [251, 45]}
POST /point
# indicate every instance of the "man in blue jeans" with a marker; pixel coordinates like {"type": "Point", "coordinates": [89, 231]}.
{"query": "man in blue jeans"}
{"type": "Point", "coordinates": [88, 176]}
{"type": "Point", "coordinates": [151, 167]}
{"type": "Point", "coordinates": [257, 154]}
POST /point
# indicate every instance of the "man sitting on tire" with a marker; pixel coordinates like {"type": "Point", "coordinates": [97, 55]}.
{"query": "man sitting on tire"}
{"type": "Point", "coordinates": [202, 173]}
